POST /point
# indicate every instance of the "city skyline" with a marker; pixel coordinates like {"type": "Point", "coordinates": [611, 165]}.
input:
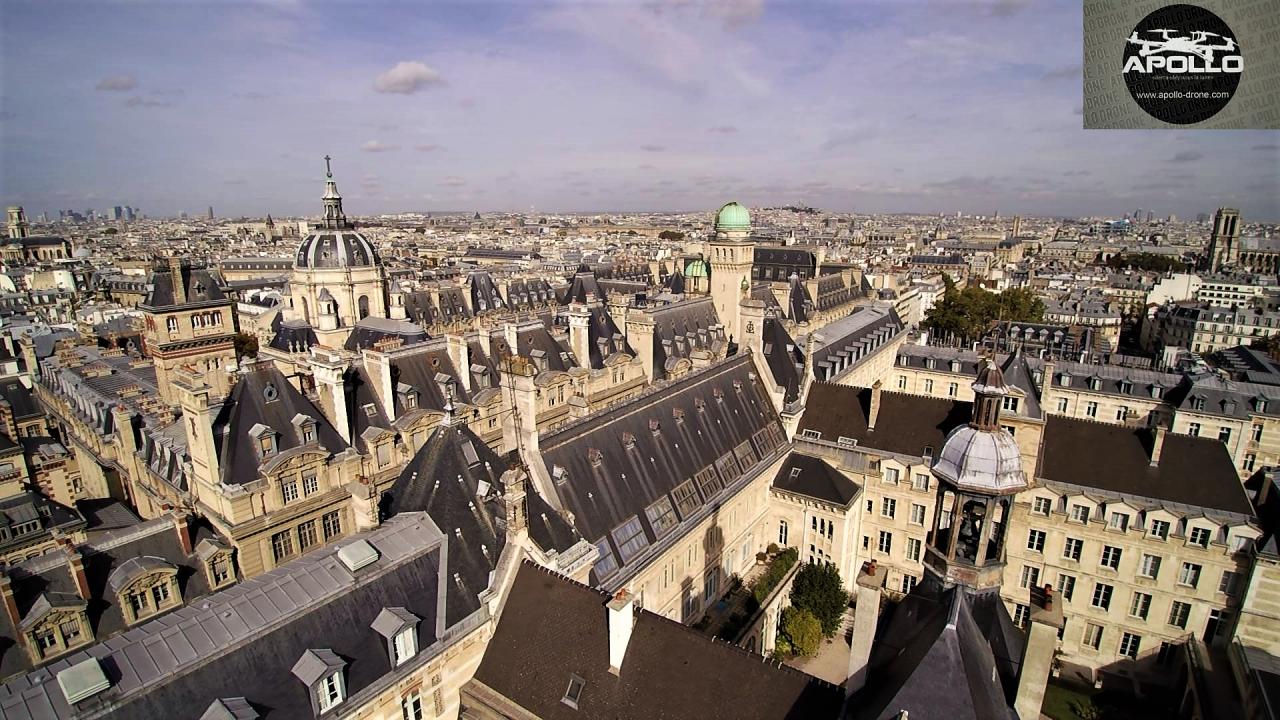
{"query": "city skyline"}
{"type": "Point", "coordinates": [905, 108]}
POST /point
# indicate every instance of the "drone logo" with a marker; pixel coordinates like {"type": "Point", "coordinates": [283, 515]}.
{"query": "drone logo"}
{"type": "Point", "coordinates": [1189, 48]}
{"type": "Point", "coordinates": [1182, 64]}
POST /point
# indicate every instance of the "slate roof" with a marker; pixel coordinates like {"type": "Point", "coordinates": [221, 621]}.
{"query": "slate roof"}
{"type": "Point", "coordinates": [937, 656]}
{"type": "Point", "coordinates": [840, 345]}
{"type": "Point", "coordinates": [1193, 471]}
{"type": "Point", "coordinates": [552, 627]}
{"type": "Point", "coordinates": [457, 480]}
{"type": "Point", "coordinates": [484, 293]}
{"type": "Point", "coordinates": [611, 467]}
{"type": "Point", "coordinates": [604, 338]}
{"type": "Point", "coordinates": [905, 424]}
{"type": "Point", "coordinates": [775, 263]}
{"type": "Point", "coordinates": [426, 373]}
{"type": "Point", "coordinates": [21, 401]}
{"type": "Point", "coordinates": [263, 396]}
{"type": "Point", "coordinates": [244, 641]}
{"type": "Point", "coordinates": [50, 575]}
{"type": "Point", "coordinates": [535, 341]}
{"type": "Point", "coordinates": [585, 286]}
{"type": "Point", "coordinates": [525, 293]}
{"type": "Point", "coordinates": [368, 331]}
{"type": "Point", "coordinates": [363, 407]}
{"type": "Point", "coordinates": [799, 304]}
{"type": "Point", "coordinates": [682, 327]}
{"type": "Point", "coordinates": [784, 358]}
{"type": "Point", "coordinates": [28, 505]}
{"type": "Point", "coordinates": [292, 335]}
{"type": "Point", "coordinates": [200, 285]}
{"type": "Point", "coordinates": [814, 477]}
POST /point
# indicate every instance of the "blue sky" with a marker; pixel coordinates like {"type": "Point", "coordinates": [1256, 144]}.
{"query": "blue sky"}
{"type": "Point", "coordinates": [902, 106]}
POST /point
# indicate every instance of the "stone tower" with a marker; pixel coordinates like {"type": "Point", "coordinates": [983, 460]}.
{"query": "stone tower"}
{"type": "Point", "coordinates": [731, 252]}
{"type": "Point", "coordinates": [1224, 243]}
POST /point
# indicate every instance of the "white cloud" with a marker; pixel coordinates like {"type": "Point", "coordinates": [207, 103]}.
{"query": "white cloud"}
{"type": "Point", "coordinates": [406, 78]}
{"type": "Point", "coordinates": [117, 83]}
{"type": "Point", "coordinates": [377, 146]}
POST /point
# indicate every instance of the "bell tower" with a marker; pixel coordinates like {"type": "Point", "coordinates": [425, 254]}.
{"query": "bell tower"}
{"type": "Point", "coordinates": [731, 253]}
{"type": "Point", "coordinates": [979, 470]}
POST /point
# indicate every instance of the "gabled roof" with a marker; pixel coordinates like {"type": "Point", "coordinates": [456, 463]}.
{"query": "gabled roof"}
{"type": "Point", "coordinates": [784, 358]}
{"type": "Point", "coordinates": [814, 477]}
{"type": "Point", "coordinates": [457, 480]}
{"type": "Point", "coordinates": [553, 628]}
{"type": "Point", "coordinates": [905, 424]}
{"type": "Point", "coordinates": [199, 285]}
{"type": "Point", "coordinates": [263, 396]}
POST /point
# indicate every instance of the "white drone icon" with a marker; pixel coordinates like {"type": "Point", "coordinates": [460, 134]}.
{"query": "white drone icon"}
{"type": "Point", "coordinates": [1190, 45]}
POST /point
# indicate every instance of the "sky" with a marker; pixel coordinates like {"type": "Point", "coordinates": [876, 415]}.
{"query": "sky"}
{"type": "Point", "coordinates": [883, 106]}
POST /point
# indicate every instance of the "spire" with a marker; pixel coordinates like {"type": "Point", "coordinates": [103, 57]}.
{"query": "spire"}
{"type": "Point", "coordinates": [333, 215]}
{"type": "Point", "coordinates": [989, 390]}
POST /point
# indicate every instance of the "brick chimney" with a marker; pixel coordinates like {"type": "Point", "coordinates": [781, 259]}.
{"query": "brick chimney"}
{"type": "Point", "coordinates": [10, 604]}
{"type": "Point", "coordinates": [75, 565]}
{"type": "Point", "coordinates": [175, 272]}
{"type": "Point", "coordinates": [1157, 445]}
{"type": "Point", "coordinates": [181, 526]}
{"type": "Point", "coordinates": [874, 412]}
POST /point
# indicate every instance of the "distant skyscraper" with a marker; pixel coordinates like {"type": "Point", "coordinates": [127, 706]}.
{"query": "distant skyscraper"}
{"type": "Point", "coordinates": [1202, 217]}
{"type": "Point", "coordinates": [130, 213]}
{"type": "Point", "coordinates": [44, 217]}
{"type": "Point", "coordinates": [210, 212]}
{"type": "Point", "coordinates": [117, 213]}
{"type": "Point", "coordinates": [182, 215]}
{"type": "Point", "coordinates": [1150, 216]}
{"type": "Point", "coordinates": [1017, 225]}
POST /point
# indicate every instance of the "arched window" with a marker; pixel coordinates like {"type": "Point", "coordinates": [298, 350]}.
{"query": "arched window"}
{"type": "Point", "coordinates": [364, 306]}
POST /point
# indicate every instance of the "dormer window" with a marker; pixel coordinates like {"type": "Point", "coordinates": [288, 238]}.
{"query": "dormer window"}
{"type": "Point", "coordinates": [574, 691]}
{"type": "Point", "coordinates": [145, 586]}
{"type": "Point", "coordinates": [217, 563]}
{"type": "Point", "coordinates": [265, 438]}
{"type": "Point", "coordinates": [171, 324]}
{"type": "Point", "coordinates": [399, 628]}
{"type": "Point", "coordinates": [321, 671]}
{"type": "Point", "coordinates": [1197, 403]}
{"type": "Point", "coordinates": [306, 427]}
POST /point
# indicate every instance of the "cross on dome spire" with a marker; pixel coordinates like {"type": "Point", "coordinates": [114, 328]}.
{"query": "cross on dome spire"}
{"type": "Point", "coordinates": [333, 215]}
{"type": "Point", "coordinates": [328, 172]}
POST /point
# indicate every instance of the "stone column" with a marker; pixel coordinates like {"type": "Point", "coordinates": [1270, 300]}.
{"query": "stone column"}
{"type": "Point", "coordinates": [866, 616]}
{"type": "Point", "coordinates": [1037, 657]}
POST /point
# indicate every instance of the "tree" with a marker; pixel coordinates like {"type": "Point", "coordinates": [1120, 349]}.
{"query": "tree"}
{"type": "Point", "coordinates": [671, 235]}
{"type": "Point", "coordinates": [246, 345]}
{"type": "Point", "coordinates": [802, 631]}
{"type": "Point", "coordinates": [967, 314]}
{"type": "Point", "coordinates": [818, 589]}
{"type": "Point", "coordinates": [1146, 261]}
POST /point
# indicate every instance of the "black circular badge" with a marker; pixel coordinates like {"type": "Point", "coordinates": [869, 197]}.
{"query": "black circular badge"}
{"type": "Point", "coordinates": [1182, 64]}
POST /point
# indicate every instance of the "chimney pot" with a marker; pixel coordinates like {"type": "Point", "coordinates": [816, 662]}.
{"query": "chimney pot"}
{"type": "Point", "coordinates": [622, 620]}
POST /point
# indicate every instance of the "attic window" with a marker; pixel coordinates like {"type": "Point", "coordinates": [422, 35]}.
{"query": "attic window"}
{"type": "Point", "coordinates": [699, 404]}
{"type": "Point", "coordinates": [270, 393]}
{"type": "Point", "coordinates": [628, 440]}
{"type": "Point", "coordinates": [655, 425]}
{"type": "Point", "coordinates": [574, 691]}
{"type": "Point", "coordinates": [596, 457]}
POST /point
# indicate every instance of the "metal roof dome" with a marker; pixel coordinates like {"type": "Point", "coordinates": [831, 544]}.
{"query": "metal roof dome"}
{"type": "Point", "coordinates": [981, 460]}
{"type": "Point", "coordinates": [338, 248]}
{"type": "Point", "coordinates": [733, 216]}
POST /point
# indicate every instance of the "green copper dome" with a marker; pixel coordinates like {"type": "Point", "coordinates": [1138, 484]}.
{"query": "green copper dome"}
{"type": "Point", "coordinates": [733, 217]}
{"type": "Point", "coordinates": [696, 269]}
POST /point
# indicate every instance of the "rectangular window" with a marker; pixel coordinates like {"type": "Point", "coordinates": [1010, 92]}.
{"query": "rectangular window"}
{"type": "Point", "coordinates": [1021, 614]}
{"type": "Point", "coordinates": [1066, 585]}
{"type": "Point", "coordinates": [891, 476]}
{"type": "Point", "coordinates": [411, 707]}
{"type": "Point", "coordinates": [1118, 521]}
{"type": "Point", "coordinates": [1041, 506]}
{"type": "Point", "coordinates": [1129, 645]}
{"type": "Point", "coordinates": [888, 507]}
{"type": "Point", "coordinates": [1035, 540]}
{"type": "Point", "coordinates": [909, 583]}
{"type": "Point", "coordinates": [913, 549]}
{"type": "Point", "coordinates": [306, 535]}
{"type": "Point", "coordinates": [1092, 636]}
{"type": "Point", "coordinates": [661, 516]}
{"type": "Point", "coordinates": [928, 386]}
{"type": "Point", "coordinates": [1160, 529]}
{"type": "Point", "coordinates": [1072, 548]}
{"type": "Point", "coordinates": [404, 645]}
{"type": "Point", "coordinates": [1178, 614]}
{"type": "Point", "coordinates": [1149, 567]}
{"type": "Point", "coordinates": [574, 691]}
{"type": "Point", "coordinates": [1062, 405]}
{"type": "Point", "coordinates": [1256, 433]}
{"type": "Point", "coordinates": [331, 522]}
{"type": "Point", "coordinates": [1110, 557]}
{"type": "Point", "coordinates": [330, 692]}
{"type": "Point", "coordinates": [160, 594]}
{"type": "Point", "coordinates": [1080, 513]}
{"type": "Point", "coordinates": [1189, 575]}
{"type": "Point", "coordinates": [1224, 434]}
{"type": "Point", "coordinates": [952, 389]}
{"type": "Point", "coordinates": [708, 483]}
{"type": "Point", "coordinates": [1010, 403]}
{"type": "Point", "coordinates": [1091, 409]}
{"type": "Point", "coordinates": [1140, 605]}
{"type": "Point", "coordinates": [630, 539]}
{"type": "Point", "coordinates": [1030, 576]}
{"type": "Point", "coordinates": [920, 482]}
{"type": "Point", "coordinates": [289, 491]}
{"type": "Point", "coordinates": [606, 564]}
{"type": "Point", "coordinates": [686, 498]}
{"type": "Point", "coordinates": [310, 484]}
{"type": "Point", "coordinates": [886, 542]}
{"type": "Point", "coordinates": [1199, 536]}
{"type": "Point", "coordinates": [917, 514]}
{"type": "Point", "coordinates": [902, 382]}
{"type": "Point", "coordinates": [1193, 429]}
{"type": "Point", "coordinates": [282, 545]}
{"type": "Point", "coordinates": [1101, 596]}
{"type": "Point", "coordinates": [1230, 582]}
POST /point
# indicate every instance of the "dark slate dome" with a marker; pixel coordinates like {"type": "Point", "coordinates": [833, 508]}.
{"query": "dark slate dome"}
{"type": "Point", "coordinates": [336, 249]}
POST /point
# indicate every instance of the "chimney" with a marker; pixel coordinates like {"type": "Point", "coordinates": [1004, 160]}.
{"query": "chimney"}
{"type": "Point", "coordinates": [175, 271]}
{"type": "Point", "coordinates": [75, 564]}
{"type": "Point", "coordinates": [1038, 654]}
{"type": "Point", "coordinates": [10, 604]}
{"type": "Point", "coordinates": [622, 619]}
{"type": "Point", "coordinates": [1046, 384]}
{"type": "Point", "coordinates": [1157, 445]}
{"type": "Point", "coordinates": [180, 526]}
{"type": "Point", "coordinates": [874, 412]}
